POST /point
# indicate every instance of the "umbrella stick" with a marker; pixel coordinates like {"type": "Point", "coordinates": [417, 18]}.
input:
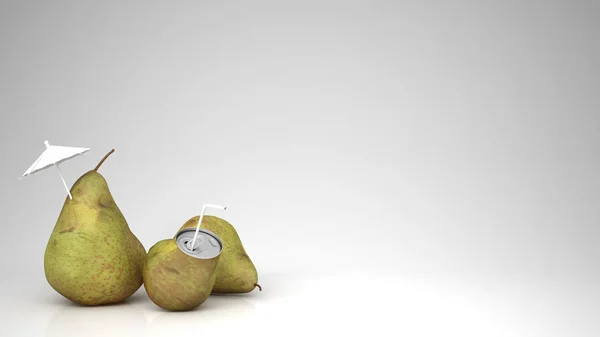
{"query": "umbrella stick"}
{"type": "Point", "coordinates": [191, 247]}
{"type": "Point", "coordinates": [63, 180]}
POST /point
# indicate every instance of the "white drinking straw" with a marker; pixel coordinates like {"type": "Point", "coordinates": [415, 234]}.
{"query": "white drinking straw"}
{"type": "Point", "coordinates": [191, 247]}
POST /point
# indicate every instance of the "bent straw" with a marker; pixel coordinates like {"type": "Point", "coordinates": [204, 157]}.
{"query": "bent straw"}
{"type": "Point", "coordinates": [191, 247]}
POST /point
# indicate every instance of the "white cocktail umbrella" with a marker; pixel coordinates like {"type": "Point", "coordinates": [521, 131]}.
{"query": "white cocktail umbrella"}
{"type": "Point", "coordinates": [52, 156]}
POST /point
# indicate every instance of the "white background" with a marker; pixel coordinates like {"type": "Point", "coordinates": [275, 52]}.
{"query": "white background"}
{"type": "Point", "coordinates": [420, 168]}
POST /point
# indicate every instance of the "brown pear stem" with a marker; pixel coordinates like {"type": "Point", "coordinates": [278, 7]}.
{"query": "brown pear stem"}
{"type": "Point", "coordinates": [258, 285]}
{"type": "Point", "coordinates": [103, 159]}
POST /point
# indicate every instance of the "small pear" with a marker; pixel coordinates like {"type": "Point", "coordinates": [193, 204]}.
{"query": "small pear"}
{"type": "Point", "coordinates": [235, 271]}
{"type": "Point", "coordinates": [176, 280]}
{"type": "Point", "coordinates": [92, 257]}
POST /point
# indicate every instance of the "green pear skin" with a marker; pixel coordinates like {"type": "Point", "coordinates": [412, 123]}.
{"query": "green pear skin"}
{"type": "Point", "coordinates": [92, 257]}
{"type": "Point", "coordinates": [235, 271]}
{"type": "Point", "coordinates": [175, 281]}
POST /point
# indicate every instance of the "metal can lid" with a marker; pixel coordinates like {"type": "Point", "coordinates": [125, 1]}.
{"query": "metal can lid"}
{"type": "Point", "coordinates": [207, 246]}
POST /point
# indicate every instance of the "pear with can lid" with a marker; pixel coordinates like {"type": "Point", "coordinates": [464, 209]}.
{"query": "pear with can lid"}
{"type": "Point", "coordinates": [235, 271]}
{"type": "Point", "coordinates": [179, 273]}
{"type": "Point", "coordinates": [176, 281]}
{"type": "Point", "coordinates": [92, 257]}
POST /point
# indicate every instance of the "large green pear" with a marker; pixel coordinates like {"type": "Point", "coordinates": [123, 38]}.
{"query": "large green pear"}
{"type": "Point", "coordinates": [92, 257]}
{"type": "Point", "coordinates": [235, 271]}
{"type": "Point", "coordinates": [175, 281]}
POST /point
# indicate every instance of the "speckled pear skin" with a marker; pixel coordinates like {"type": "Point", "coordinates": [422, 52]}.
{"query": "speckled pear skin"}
{"type": "Point", "coordinates": [92, 257]}
{"type": "Point", "coordinates": [175, 281]}
{"type": "Point", "coordinates": [235, 271]}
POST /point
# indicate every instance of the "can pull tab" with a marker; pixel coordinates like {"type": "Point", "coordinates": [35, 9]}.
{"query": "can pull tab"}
{"type": "Point", "coordinates": [199, 241]}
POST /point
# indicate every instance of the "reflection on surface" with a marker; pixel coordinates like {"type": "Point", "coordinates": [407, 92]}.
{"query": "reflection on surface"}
{"type": "Point", "coordinates": [466, 305]}
{"type": "Point", "coordinates": [220, 314]}
{"type": "Point", "coordinates": [123, 319]}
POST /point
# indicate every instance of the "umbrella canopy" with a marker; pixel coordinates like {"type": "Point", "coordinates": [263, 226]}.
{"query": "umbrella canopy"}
{"type": "Point", "coordinates": [52, 156]}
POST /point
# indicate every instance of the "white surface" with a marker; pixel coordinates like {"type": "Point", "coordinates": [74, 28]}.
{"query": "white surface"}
{"type": "Point", "coordinates": [378, 304]}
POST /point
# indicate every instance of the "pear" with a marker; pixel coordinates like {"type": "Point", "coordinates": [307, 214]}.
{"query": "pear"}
{"type": "Point", "coordinates": [92, 257]}
{"type": "Point", "coordinates": [235, 271]}
{"type": "Point", "coordinates": [176, 281]}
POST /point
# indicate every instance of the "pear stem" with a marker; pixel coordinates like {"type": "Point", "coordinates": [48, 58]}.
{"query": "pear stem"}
{"type": "Point", "coordinates": [258, 285]}
{"type": "Point", "coordinates": [103, 159]}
